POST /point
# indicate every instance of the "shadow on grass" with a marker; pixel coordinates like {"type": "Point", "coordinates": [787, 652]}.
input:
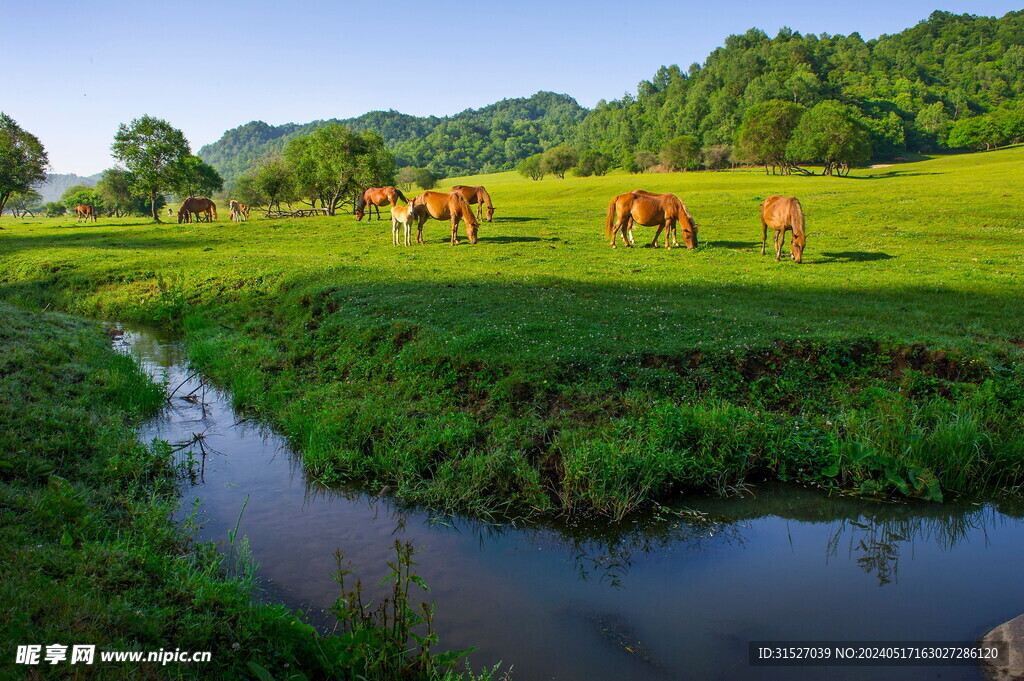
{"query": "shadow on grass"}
{"type": "Point", "coordinates": [891, 175]}
{"type": "Point", "coordinates": [855, 256]}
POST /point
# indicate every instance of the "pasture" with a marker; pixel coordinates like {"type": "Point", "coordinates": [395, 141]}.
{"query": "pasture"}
{"type": "Point", "coordinates": [542, 370]}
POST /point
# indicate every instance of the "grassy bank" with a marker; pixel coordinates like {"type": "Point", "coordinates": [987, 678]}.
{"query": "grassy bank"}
{"type": "Point", "coordinates": [542, 370]}
{"type": "Point", "coordinates": [91, 556]}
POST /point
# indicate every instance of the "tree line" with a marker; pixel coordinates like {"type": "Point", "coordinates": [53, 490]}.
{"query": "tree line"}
{"type": "Point", "coordinates": [950, 82]}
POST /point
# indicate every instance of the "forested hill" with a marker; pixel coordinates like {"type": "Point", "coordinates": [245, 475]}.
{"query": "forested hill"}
{"type": "Point", "coordinates": [922, 89]}
{"type": "Point", "coordinates": [488, 139]}
{"type": "Point", "coordinates": [910, 88]}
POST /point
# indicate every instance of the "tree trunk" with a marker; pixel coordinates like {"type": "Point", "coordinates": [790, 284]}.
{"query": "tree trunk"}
{"type": "Point", "coordinates": [152, 207]}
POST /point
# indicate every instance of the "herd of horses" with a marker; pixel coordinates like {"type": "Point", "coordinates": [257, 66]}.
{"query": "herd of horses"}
{"type": "Point", "coordinates": [638, 207]}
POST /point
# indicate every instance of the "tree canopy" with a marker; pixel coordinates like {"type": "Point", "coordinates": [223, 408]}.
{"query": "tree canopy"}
{"type": "Point", "coordinates": [23, 160]}
{"type": "Point", "coordinates": [152, 150]}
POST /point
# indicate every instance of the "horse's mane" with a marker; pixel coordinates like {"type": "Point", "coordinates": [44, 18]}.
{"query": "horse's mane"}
{"type": "Point", "coordinates": [401, 195]}
{"type": "Point", "coordinates": [796, 215]}
{"type": "Point", "coordinates": [361, 202]}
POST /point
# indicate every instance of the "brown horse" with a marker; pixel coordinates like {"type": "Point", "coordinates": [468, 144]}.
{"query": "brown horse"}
{"type": "Point", "coordinates": [645, 208]}
{"type": "Point", "coordinates": [444, 207]}
{"type": "Point", "coordinates": [239, 211]}
{"type": "Point", "coordinates": [477, 195]}
{"type": "Point", "coordinates": [781, 214]}
{"type": "Point", "coordinates": [376, 197]}
{"type": "Point", "coordinates": [197, 205]}
{"type": "Point", "coordinates": [85, 212]}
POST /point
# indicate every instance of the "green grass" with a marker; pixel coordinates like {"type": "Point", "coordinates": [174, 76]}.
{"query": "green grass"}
{"type": "Point", "coordinates": [91, 555]}
{"type": "Point", "coordinates": [542, 370]}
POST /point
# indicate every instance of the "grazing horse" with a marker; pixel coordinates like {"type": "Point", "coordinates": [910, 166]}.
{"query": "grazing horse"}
{"type": "Point", "coordinates": [404, 216]}
{"type": "Point", "coordinates": [444, 207]}
{"type": "Point", "coordinates": [645, 208]}
{"type": "Point", "coordinates": [197, 205]}
{"type": "Point", "coordinates": [377, 197]}
{"type": "Point", "coordinates": [239, 211]}
{"type": "Point", "coordinates": [781, 214]}
{"type": "Point", "coordinates": [85, 211]}
{"type": "Point", "coordinates": [479, 196]}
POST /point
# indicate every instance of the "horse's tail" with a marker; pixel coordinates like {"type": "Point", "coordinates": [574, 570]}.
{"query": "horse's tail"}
{"type": "Point", "coordinates": [401, 195]}
{"type": "Point", "coordinates": [213, 209]}
{"type": "Point", "coordinates": [608, 231]}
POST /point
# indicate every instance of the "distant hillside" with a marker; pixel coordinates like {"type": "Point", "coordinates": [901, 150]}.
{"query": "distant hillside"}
{"type": "Point", "coordinates": [492, 138]}
{"type": "Point", "coordinates": [947, 82]}
{"type": "Point", "coordinates": [56, 184]}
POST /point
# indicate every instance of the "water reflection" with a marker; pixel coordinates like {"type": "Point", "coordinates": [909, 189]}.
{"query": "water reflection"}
{"type": "Point", "coordinates": [674, 594]}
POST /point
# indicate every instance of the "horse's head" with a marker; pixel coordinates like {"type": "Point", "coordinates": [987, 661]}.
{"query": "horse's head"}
{"type": "Point", "coordinates": [797, 249]}
{"type": "Point", "coordinates": [490, 213]}
{"type": "Point", "coordinates": [689, 230]}
{"type": "Point", "coordinates": [471, 227]}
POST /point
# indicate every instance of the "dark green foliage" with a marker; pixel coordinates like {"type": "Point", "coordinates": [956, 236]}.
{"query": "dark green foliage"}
{"type": "Point", "coordinates": [425, 179]}
{"type": "Point", "coordinates": [23, 160]}
{"type": "Point", "coordinates": [906, 87]}
{"type": "Point", "coordinates": [593, 163]}
{"type": "Point", "coordinates": [334, 164]}
{"type": "Point", "coordinates": [766, 131]}
{"type": "Point", "coordinates": [193, 177]}
{"type": "Point", "coordinates": [532, 167]}
{"type": "Point", "coordinates": [830, 134]}
{"type": "Point", "coordinates": [680, 153]}
{"type": "Point", "coordinates": [54, 209]}
{"type": "Point", "coordinates": [152, 151]}
{"type": "Point", "coordinates": [557, 160]}
{"type": "Point", "coordinates": [493, 138]}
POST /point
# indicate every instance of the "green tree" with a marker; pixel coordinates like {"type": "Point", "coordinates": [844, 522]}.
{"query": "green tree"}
{"type": "Point", "coordinates": [54, 209]}
{"type": "Point", "coordinates": [643, 161]}
{"type": "Point", "coordinates": [115, 191]}
{"type": "Point", "coordinates": [532, 167]}
{"type": "Point", "coordinates": [717, 156]}
{"type": "Point", "coordinates": [23, 160]}
{"type": "Point", "coordinates": [557, 160]}
{"type": "Point", "coordinates": [766, 131]}
{"type": "Point", "coordinates": [405, 178]}
{"type": "Point", "coordinates": [831, 134]}
{"type": "Point", "coordinates": [151, 149]}
{"type": "Point", "coordinates": [81, 195]}
{"type": "Point", "coordinates": [194, 177]}
{"type": "Point", "coordinates": [425, 179]}
{"type": "Point", "coordinates": [681, 152]}
{"type": "Point", "coordinates": [271, 183]}
{"type": "Point", "coordinates": [25, 203]}
{"type": "Point", "coordinates": [593, 163]}
{"type": "Point", "coordinates": [334, 163]}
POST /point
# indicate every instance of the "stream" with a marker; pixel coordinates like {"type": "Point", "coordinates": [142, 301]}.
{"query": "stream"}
{"type": "Point", "coordinates": [675, 596]}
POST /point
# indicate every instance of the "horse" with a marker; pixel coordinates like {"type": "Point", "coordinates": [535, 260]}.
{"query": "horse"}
{"type": "Point", "coordinates": [197, 205]}
{"type": "Point", "coordinates": [84, 211]}
{"type": "Point", "coordinates": [239, 211]}
{"type": "Point", "coordinates": [377, 197]}
{"type": "Point", "coordinates": [405, 216]}
{"type": "Point", "coordinates": [477, 195]}
{"type": "Point", "coordinates": [444, 207]}
{"type": "Point", "coordinates": [663, 210]}
{"type": "Point", "coordinates": [781, 214]}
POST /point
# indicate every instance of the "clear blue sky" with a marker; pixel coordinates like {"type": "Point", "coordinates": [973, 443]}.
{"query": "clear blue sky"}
{"type": "Point", "coordinates": [74, 70]}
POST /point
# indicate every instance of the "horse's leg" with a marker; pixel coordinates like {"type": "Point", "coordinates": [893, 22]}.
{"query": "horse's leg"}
{"type": "Point", "coordinates": [625, 226]}
{"type": "Point", "coordinates": [419, 226]}
{"type": "Point", "coordinates": [394, 231]}
{"type": "Point", "coordinates": [455, 229]}
{"type": "Point", "coordinates": [764, 233]}
{"type": "Point", "coordinates": [657, 233]}
{"type": "Point", "coordinates": [780, 240]}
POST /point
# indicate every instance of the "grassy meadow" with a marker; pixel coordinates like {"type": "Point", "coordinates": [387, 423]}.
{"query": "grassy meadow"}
{"type": "Point", "coordinates": [540, 370]}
